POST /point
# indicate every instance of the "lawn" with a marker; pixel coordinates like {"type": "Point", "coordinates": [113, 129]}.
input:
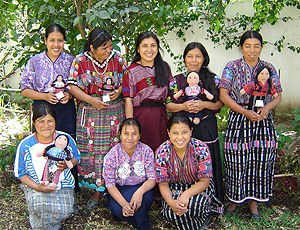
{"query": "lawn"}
{"type": "Point", "coordinates": [282, 212]}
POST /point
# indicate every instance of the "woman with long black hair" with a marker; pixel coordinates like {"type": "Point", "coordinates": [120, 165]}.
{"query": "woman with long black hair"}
{"type": "Point", "coordinates": [197, 59]}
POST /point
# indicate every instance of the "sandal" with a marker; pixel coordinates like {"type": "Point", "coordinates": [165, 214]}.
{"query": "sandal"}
{"type": "Point", "coordinates": [92, 204]}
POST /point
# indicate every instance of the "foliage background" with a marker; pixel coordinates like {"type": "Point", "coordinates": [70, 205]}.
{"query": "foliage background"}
{"type": "Point", "coordinates": [23, 21]}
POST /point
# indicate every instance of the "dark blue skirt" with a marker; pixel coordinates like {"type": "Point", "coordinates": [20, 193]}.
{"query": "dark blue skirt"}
{"type": "Point", "coordinates": [140, 220]}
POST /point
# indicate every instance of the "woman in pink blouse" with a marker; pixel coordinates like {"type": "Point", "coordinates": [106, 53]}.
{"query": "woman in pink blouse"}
{"type": "Point", "coordinates": [129, 175]}
{"type": "Point", "coordinates": [184, 172]}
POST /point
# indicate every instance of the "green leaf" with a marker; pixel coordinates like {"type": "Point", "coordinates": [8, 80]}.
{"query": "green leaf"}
{"type": "Point", "coordinates": [103, 14]}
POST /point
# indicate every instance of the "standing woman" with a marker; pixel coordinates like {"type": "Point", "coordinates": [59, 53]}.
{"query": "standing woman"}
{"type": "Point", "coordinates": [197, 59]}
{"type": "Point", "coordinates": [250, 140]}
{"type": "Point", "coordinates": [145, 88]}
{"type": "Point", "coordinates": [47, 206]}
{"type": "Point", "coordinates": [99, 113]}
{"type": "Point", "coordinates": [39, 74]}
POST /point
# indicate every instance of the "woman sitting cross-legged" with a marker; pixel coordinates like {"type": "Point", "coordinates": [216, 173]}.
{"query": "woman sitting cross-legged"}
{"type": "Point", "coordinates": [129, 175]}
{"type": "Point", "coordinates": [184, 171]}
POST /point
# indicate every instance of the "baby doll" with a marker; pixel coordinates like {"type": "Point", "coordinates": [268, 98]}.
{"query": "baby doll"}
{"type": "Point", "coordinates": [55, 153]}
{"type": "Point", "coordinates": [59, 87]}
{"type": "Point", "coordinates": [260, 87]}
{"type": "Point", "coordinates": [192, 90]}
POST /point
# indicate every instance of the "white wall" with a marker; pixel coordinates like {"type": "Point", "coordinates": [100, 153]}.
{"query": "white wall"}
{"type": "Point", "coordinates": [287, 62]}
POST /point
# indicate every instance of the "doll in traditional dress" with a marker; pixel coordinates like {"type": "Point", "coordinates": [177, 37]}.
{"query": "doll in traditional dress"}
{"type": "Point", "coordinates": [260, 87]}
{"type": "Point", "coordinates": [59, 86]}
{"type": "Point", "coordinates": [103, 89]}
{"type": "Point", "coordinates": [192, 91]}
{"type": "Point", "coordinates": [55, 153]}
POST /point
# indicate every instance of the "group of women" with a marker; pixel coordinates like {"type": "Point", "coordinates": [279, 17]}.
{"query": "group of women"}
{"type": "Point", "coordinates": [126, 142]}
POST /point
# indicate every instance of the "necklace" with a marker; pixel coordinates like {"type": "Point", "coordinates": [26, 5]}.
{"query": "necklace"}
{"type": "Point", "coordinates": [101, 66]}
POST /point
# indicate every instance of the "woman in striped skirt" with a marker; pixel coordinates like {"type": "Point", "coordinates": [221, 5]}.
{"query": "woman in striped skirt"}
{"type": "Point", "coordinates": [184, 171]}
{"type": "Point", "coordinates": [250, 140]}
{"type": "Point", "coordinates": [100, 108]}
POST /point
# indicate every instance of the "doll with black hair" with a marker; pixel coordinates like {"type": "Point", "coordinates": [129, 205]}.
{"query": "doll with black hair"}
{"type": "Point", "coordinates": [103, 89]}
{"type": "Point", "coordinates": [55, 153]}
{"type": "Point", "coordinates": [259, 88]}
{"type": "Point", "coordinates": [193, 90]}
{"type": "Point", "coordinates": [59, 86]}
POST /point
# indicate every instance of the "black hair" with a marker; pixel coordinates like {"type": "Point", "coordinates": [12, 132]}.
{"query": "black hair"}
{"type": "Point", "coordinates": [251, 34]}
{"type": "Point", "coordinates": [206, 76]}
{"type": "Point", "coordinates": [43, 110]}
{"type": "Point", "coordinates": [131, 121]}
{"type": "Point", "coordinates": [53, 145]}
{"type": "Point", "coordinates": [55, 27]}
{"type": "Point", "coordinates": [179, 118]}
{"type": "Point", "coordinates": [98, 37]}
{"type": "Point", "coordinates": [259, 69]}
{"type": "Point", "coordinates": [162, 69]}
{"type": "Point", "coordinates": [57, 78]}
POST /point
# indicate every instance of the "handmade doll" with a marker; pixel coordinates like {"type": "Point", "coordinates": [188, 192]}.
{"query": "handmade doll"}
{"type": "Point", "coordinates": [192, 91]}
{"type": "Point", "coordinates": [259, 88]}
{"type": "Point", "coordinates": [55, 153]}
{"type": "Point", "coordinates": [59, 87]}
{"type": "Point", "coordinates": [103, 89]}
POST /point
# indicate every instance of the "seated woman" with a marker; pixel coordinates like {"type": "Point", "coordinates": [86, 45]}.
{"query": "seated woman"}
{"type": "Point", "coordinates": [129, 175]}
{"type": "Point", "coordinates": [184, 171]}
{"type": "Point", "coordinates": [47, 206]}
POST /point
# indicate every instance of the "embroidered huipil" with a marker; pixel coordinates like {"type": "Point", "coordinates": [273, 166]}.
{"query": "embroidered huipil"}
{"type": "Point", "coordinates": [139, 84]}
{"type": "Point", "coordinates": [40, 71]}
{"type": "Point", "coordinates": [119, 168]}
{"type": "Point", "coordinates": [238, 73]}
{"type": "Point", "coordinates": [196, 163]}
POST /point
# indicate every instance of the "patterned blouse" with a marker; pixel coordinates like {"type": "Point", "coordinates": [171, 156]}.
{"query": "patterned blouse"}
{"type": "Point", "coordinates": [196, 163]}
{"type": "Point", "coordinates": [139, 84]}
{"type": "Point", "coordinates": [84, 72]}
{"type": "Point", "coordinates": [238, 73]}
{"type": "Point", "coordinates": [119, 168]}
{"type": "Point", "coordinates": [40, 71]}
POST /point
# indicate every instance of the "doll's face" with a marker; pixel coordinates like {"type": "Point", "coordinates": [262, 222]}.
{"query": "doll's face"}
{"type": "Point", "coordinates": [108, 81]}
{"type": "Point", "coordinates": [193, 79]}
{"type": "Point", "coordinates": [263, 76]}
{"type": "Point", "coordinates": [61, 142]}
{"type": "Point", "coordinates": [59, 79]}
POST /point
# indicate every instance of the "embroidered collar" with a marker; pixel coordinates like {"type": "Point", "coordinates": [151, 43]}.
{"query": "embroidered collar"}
{"type": "Point", "coordinates": [97, 63]}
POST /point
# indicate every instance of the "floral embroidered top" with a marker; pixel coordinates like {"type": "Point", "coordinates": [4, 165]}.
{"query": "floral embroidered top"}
{"type": "Point", "coordinates": [40, 71]}
{"type": "Point", "coordinates": [196, 163]}
{"type": "Point", "coordinates": [238, 73]}
{"type": "Point", "coordinates": [89, 75]}
{"type": "Point", "coordinates": [119, 168]}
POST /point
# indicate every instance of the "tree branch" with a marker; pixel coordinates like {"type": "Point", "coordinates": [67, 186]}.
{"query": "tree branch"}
{"type": "Point", "coordinates": [78, 12]}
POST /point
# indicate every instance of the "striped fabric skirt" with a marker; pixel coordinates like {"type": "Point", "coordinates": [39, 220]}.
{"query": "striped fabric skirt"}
{"type": "Point", "coordinates": [249, 158]}
{"type": "Point", "coordinates": [207, 131]}
{"type": "Point", "coordinates": [199, 208]}
{"type": "Point", "coordinates": [47, 210]}
{"type": "Point", "coordinates": [96, 133]}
